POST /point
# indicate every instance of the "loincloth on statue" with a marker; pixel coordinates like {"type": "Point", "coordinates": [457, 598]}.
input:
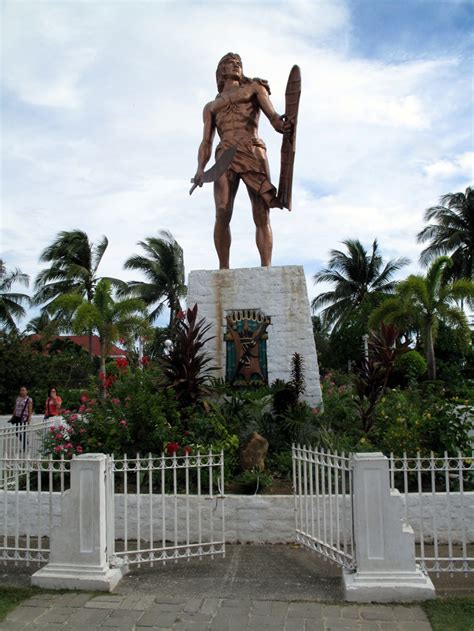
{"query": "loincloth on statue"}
{"type": "Point", "coordinates": [250, 164]}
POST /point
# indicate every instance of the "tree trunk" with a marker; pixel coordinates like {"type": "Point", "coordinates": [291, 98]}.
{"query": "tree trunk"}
{"type": "Point", "coordinates": [103, 357]}
{"type": "Point", "coordinates": [429, 351]}
{"type": "Point", "coordinates": [172, 315]}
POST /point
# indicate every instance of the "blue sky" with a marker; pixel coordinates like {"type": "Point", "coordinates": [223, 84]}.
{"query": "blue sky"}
{"type": "Point", "coordinates": [101, 120]}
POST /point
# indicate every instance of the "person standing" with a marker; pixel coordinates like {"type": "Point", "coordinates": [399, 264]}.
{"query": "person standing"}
{"type": "Point", "coordinates": [22, 413]}
{"type": "Point", "coordinates": [53, 404]}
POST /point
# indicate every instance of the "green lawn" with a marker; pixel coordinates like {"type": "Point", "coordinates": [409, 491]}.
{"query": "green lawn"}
{"type": "Point", "coordinates": [451, 614]}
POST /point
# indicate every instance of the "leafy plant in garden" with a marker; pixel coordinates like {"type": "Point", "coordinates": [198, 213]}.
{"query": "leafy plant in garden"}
{"type": "Point", "coordinates": [186, 368]}
{"type": "Point", "coordinates": [410, 366]}
{"type": "Point", "coordinates": [371, 380]}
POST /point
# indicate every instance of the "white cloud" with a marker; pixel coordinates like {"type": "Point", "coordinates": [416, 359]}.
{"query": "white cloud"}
{"type": "Point", "coordinates": [104, 120]}
{"type": "Point", "coordinates": [462, 165]}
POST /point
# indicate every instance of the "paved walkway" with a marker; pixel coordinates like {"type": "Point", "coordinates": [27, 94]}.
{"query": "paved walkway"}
{"type": "Point", "coordinates": [277, 588]}
{"type": "Point", "coordinates": [140, 611]}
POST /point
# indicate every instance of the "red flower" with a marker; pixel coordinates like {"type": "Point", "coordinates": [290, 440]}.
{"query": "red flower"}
{"type": "Point", "coordinates": [172, 448]}
{"type": "Point", "coordinates": [181, 315]}
{"type": "Point", "coordinates": [84, 397]}
{"type": "Point", "coordinates": [121, 363]}
{"type": "Point", "coordinates": [144, 361]}
{"type": "Point", "coordinates": [187, 451]}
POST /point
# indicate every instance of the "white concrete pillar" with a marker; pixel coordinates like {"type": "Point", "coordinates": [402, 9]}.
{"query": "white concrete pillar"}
{"type": "Point", "coordinates": [384, 544]}
{"type": "Point", "coordinates": [78, 545]}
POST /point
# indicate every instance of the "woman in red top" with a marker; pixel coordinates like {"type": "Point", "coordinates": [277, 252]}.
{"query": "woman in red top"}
{"type": "Point", "coordinates": [53, 404]}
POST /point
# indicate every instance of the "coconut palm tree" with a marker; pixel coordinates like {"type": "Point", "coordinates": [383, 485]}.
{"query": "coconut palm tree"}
{"type": "Point", "coordinates": [110, 319]}
{"type": "Point", "coordinates": [452, 233]}
{"type": "Point", "coordinates": [423, 301]}
{"type": "Point", "coordinates": [163, 267]}
{"type": "Point", "coordinates": [74, 263]}
{"type": "Point", "coordinates": [11, 303]}
{"type": "Point", "coordinates": [358, 277]}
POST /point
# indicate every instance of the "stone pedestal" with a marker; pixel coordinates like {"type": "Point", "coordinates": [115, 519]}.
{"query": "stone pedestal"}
{"type": "Point", "coordinates": [78, 546]}
{"type": "Point", "coordinates": [278, 292]}
{"type": "Point", "coordinates": [384, 544]}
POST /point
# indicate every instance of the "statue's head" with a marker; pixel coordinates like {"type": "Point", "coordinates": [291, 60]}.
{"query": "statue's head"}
{"type": "Point", "coordinates": [230, 64]}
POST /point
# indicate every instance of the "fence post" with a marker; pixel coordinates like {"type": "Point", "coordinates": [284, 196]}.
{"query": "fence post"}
{"type": "Point", "coordinates": [78, 545]}
{"type": "Point", "coordinates": [384, 544]}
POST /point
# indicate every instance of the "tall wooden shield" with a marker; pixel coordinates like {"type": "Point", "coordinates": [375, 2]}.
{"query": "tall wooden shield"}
{"type": "Point", "coordinates": [288, 147]}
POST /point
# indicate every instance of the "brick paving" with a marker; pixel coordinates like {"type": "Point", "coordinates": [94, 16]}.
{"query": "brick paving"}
{"type": "Point", "coordinates": [254, 588]}
{"type": "Point", "coordinates": [143, 612]}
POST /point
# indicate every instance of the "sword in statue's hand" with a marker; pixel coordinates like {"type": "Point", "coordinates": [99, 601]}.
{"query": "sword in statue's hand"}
{"type": "Point", "coordinates": [218, 169]}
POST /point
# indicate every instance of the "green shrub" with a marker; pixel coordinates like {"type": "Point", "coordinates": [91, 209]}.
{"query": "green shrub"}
{"type": "Point", "coordinates": [411, 366]}
{"type": "Point", "coordinates": [253, 481]}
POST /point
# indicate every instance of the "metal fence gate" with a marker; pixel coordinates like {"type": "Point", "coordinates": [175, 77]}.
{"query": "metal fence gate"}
{"type": "Point", "coordinates": [322, 484]}
{"type": "Point", "coordinates": [165, 508]}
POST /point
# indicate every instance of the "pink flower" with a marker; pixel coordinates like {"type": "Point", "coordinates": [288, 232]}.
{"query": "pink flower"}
{"type": "Point", "coordinates": [73, 418]}
{"type": "Point", "coordinates": [52, 429]}
{"type": "Point", "coordinates": [82, 409]}
{"type": "Point", "coordinates": [84, 398]}
{"type": "Point", "coordinates": [58, 437]}
{"type": "Point", "coordinates": [79, 449]}
{"type": "Point", "coordinates": [82, 430]}
{"type": "Point", "coordinates": [116, 401]}
{"type": "Point", "coordinates": [123, 422]}
{"type": "Point", "coordinates": [58, 448]}
{"type": "Point", "coordinates": [68, 446]}
{"type": "Point", "coordinates": [61, 428]}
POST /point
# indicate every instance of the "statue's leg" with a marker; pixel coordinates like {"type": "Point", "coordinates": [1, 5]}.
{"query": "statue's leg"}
{"type": "Point", "coordinates": [263, 229]}
{"type": "Point", "coordinates": [225, 190]}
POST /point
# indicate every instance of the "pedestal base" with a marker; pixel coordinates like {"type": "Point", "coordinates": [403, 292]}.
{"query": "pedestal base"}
{"type": "Point", "coordinates": [279, 293]}
{"type": "Point", "coordinates": [84, 577]}
{"type": "Point", "coordinates": [384, 587]}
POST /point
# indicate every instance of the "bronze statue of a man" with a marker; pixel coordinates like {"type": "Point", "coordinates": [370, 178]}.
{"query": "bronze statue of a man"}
{"type": "Point", "coordinates": [235, 113]}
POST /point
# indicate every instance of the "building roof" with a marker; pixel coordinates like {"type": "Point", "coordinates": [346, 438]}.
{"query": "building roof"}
{"type": "Point", "coordinates": [83, 341]}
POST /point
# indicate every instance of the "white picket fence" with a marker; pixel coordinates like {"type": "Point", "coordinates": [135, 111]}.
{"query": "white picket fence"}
{"type": "Point", "coordinates": [165, 508]}
{"type": "Point", "coordinates": [439, 505]}
{"type": "Point", "coordinates": [31, 497]}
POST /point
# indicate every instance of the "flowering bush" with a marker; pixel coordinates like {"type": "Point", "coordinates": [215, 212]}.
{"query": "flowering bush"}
{"type": "Point", "coordinates": [98, 426]}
